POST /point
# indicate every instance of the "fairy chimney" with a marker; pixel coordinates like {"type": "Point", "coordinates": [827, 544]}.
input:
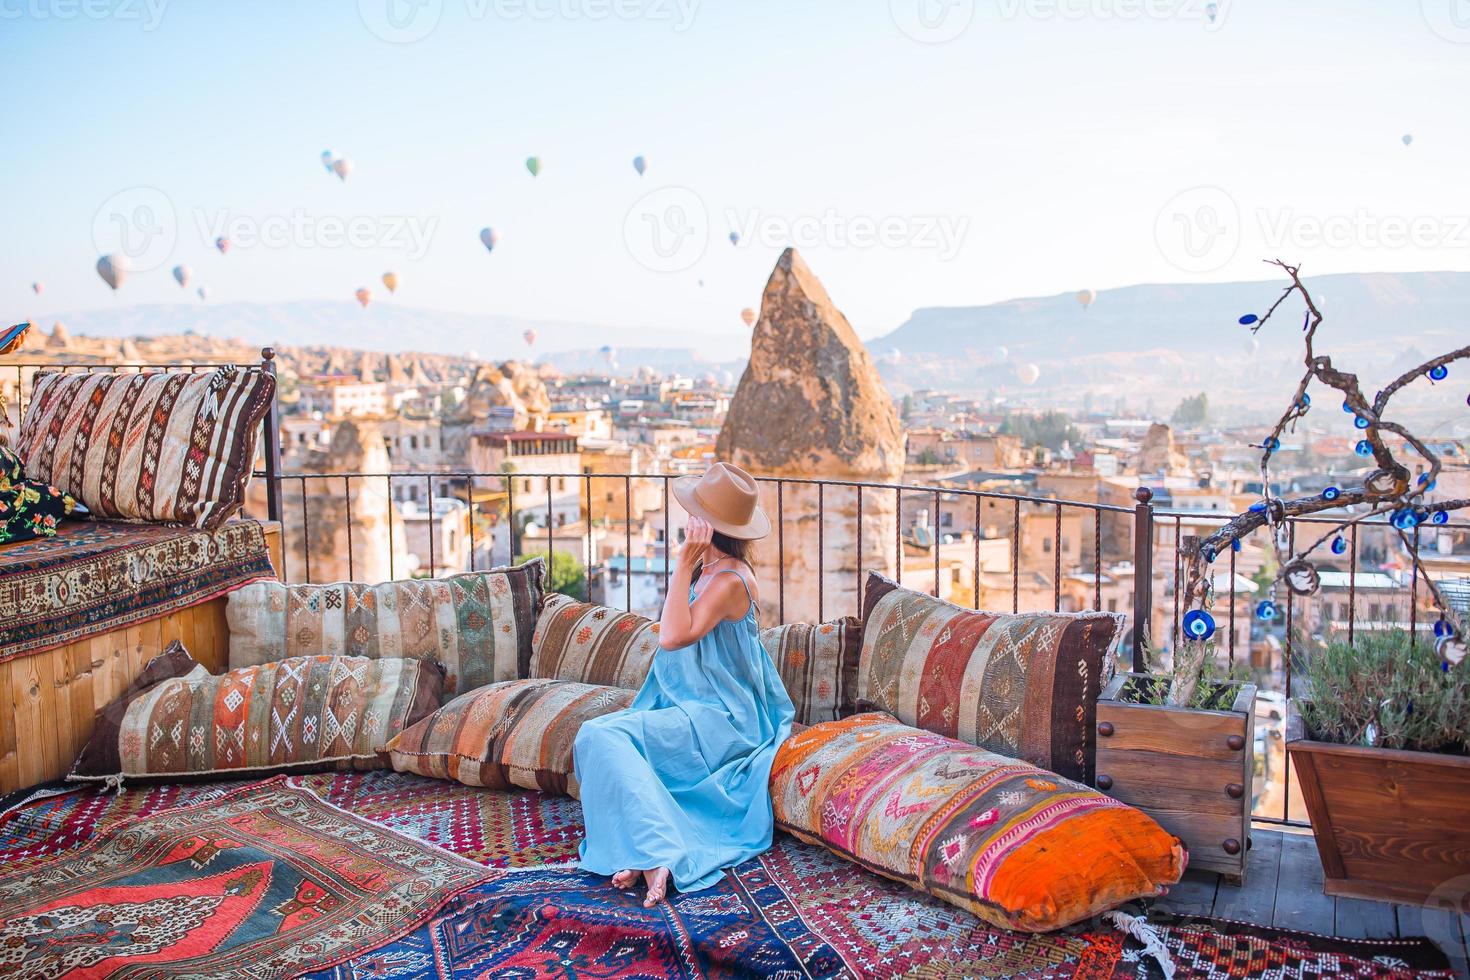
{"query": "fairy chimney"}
{"type": "Point", "coordinates": [811, 405]}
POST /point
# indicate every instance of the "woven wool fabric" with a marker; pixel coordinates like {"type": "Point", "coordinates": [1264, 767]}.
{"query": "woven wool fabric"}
{"type": "Point", "coordinates": [155, 446]}
{"type": "Point", "coordinates": [592, 644]}
{"type": "Point", "coordinates": [302, 714]}
{"type": "Point", "coordinates": [818, 663]}
{"type": "Point", "coordinates": [264, 882]}
{"type": "Point", "coordinates": [477, 625]}
{"type": "Point", "coordinates": [1022, 685]}
{"type": "Point", "coordinates": [1018, 846]}
{"type": "Point", "coordinates": [94, 577]}
{"type": "Point", "coordinates": [518, 733]}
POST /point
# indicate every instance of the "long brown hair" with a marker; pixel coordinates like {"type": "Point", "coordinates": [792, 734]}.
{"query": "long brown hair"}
{"type": "Point", "coordinates": [738, 548]}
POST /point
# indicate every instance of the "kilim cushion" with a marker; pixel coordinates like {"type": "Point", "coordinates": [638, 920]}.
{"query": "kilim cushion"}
{"type": "Point", "coordinates": [592, 644]}
{"type": "Point", "coordinates": [1023, 685]}
{"type": "Point", "coordinates": [1020, 847]}
{"type": "Point", "coordinates": [518, 733]}
{"type": "Point", "coordinates": [300, 715]}
{"type": "Point", "coordinates": [818, 664]}
{"type": "Point", "coordinates": [477, 625]}
{"type": "Point", "coordinates": [156, 446]}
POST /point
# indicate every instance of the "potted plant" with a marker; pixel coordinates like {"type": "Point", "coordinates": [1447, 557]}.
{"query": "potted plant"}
{"type": "Point", "coordinates": [1189, 766]}
{"type": "Point", "coordinates": [1381, 743]}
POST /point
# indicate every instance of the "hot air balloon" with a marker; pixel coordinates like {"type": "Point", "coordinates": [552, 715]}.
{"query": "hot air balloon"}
{"type": "Point", "coordinates": [748, 315]}
{"type": "Point", "coordinates": [1002, 353]}
{"type": "Point", "coordinates": [364, 296]}
{"type": "Point", "coordinates": [203, 292]}
{"type": "Point", "coordinates": [1408, 138]}
{"type": "Point", "coordinates": [1212, 10]}
{"type": "Point", "coordinates": [1028, 373]}
{"type": "Point", "coordinates": [640, 165]}
{"type": "Point", "coordinates": [608, 354]}
{"type": "Point", "coordinates": [533, 164]}
{"type": "Point", "coordinates": [182, 275]}
{"type": "Point", "coordinates": [223, 244]}
{"type": "Point", "coordinates": [114, 270]}
{"type": "Point", "coordinates": [38, 288]}
{"type": "Point", "coordinates": [390, 279]}
{"type": "Point", "coordinates": [342, 167]}
{"type": "Point", "coordinates": [1086, 297]}
{"type": "Point", "coordinates": [328, 159]}
{"type": "Point", "coordinates": [734, 238]}
{"type": "Point", "coordinates": [489, 237]}
{"type": "Point", "coordinates": [530, 338]}
{"type": "Point", "coordinates": [701, 284]}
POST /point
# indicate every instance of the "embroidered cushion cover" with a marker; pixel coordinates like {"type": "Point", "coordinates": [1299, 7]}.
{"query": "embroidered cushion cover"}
{"type": "Point", "coordinates": [477, 625]}
{"type": "Point", "coordinates": [28, 510]}
{"type": "Point", "coordinates": [156, 446]}
{"type": "Point", "coordinates": [1020, 847]}
{"type": "Point", "coordinates": [818, 664]}
{"type": "Point", "coordinates": [299, 715]}
{"type": "Point", "coordinates": [518, 733]}
{"type": "Point", "coordinates": [592, 644]}
{"type": "Point", "coordinates": [1024, 685]}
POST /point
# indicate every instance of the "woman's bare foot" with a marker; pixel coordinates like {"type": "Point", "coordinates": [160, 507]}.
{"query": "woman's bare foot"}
{"type": "Point", "coordinates": [658, 885]}
{"type": "Point", "coordinates": [625, 879]}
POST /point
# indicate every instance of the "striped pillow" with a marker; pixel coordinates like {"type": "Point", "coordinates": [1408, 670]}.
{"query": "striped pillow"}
{"type": "Point", "coordinates": [1018, 846]}
{"type": "Point", "coordinates": [818, 664]}
{"type": "Point", "coordinates": [477, 625]}
{"type": "Point", "coordinates": [592, 644]}
{"type": "Point", "coordinates": [156, 446]}
{"type": "Point", "coordinates": [300, 715]}
{"type": "Point", "coordinates": [1024, 685]}
{"type": "Point", "coordinates": [519, 733]}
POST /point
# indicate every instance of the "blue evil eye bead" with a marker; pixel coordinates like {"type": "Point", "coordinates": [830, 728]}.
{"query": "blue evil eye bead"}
{"type": "Point", "coordinates": [1363, 448]}
{"type": "Point", "coordinates": [1266, 611]}
{"type": "Point", "coordinates": [1425, 482]}
{"type": "Point", "coordinates": [1209, 554]}
{"type": "Point", "coordinates": [1438, 373]}
{"type": "Point", "coordinates": [1199, 625]}
{"type": "Point", "coordinates": [1361, 422]}
{"type": "Point", "coordinates": [1442, 628]}
{"type": "Point", "coordinates": [1405, 519]}
{"type": "Point", "coordinates": [1305, 401]}
{"type": "Point", "coordinates": [1235, 544]}
{"type": "Point", "coordinates": [1339, 545]}
{"type": "Point", "coordinates": [1347, 408]}
{"type": "Point", "coordinates": [1331, 493]}
{"type": "Point", "coordinates": [1248, 319]}
{"type": "Point", "coordinates": [1271, 444]}
{"type": "Point", "coordinates": [1259, 507]}
{"type": "Point", "coordinates": [1439, 517]}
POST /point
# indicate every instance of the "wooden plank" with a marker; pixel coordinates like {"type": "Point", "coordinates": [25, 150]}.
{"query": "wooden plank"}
{"type": "Point", "coordinates": [1357, 918]}
{"type": "Point", "coordinates": [1300, 902]}
{"type": "Point", "coordinates": [1194, 895]}
{"type": "Point", "coordinates": [1443, 927]}
{"type": "Point", "coordinates": [1254, 901]}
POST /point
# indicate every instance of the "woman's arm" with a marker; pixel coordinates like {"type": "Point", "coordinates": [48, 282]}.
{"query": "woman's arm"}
{"type": "Point", "coordinates": [684, 622]}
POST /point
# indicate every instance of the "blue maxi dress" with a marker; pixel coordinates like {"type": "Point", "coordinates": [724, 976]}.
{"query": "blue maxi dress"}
{"type": "Point", "coordinates": [681, 779]}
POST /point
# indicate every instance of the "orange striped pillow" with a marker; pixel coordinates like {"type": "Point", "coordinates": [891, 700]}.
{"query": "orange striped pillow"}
{"type": "Point", "coordinates": [1018, 846]}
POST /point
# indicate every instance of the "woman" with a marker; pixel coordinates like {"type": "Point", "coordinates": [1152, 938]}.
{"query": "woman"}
{"type": "Point", "coordinates": [676, 787]}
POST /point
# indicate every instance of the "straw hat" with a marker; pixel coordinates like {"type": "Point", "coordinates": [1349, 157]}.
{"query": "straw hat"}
{"type": "Point", "coordinates": [726, 496]}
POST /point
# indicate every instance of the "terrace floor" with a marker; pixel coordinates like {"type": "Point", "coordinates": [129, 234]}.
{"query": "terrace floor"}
{"type": "Point", "coordinates": [1283, 888]}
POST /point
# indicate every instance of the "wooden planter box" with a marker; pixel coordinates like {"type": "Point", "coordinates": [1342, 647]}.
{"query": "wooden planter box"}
{"type": "Point", "coordinates": [1391, 825]}
{"type": "Point", "coordinates": [1188, 769]}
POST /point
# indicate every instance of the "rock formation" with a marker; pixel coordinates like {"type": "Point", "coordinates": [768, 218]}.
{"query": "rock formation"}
{"type": "Point", "coordinates": [1157, 453]}
{"type": "Point", "coordinates": [811, 405]}
{"type": "Point", "coordinates": [513, 385]}
{"type": "Point", "coordinates": [60, 337]}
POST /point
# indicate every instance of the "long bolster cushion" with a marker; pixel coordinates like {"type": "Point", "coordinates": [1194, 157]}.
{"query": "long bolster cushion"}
{"type": "Point", "coordinates": [518, 733]}
{"type": "Point", "coordinates": [300, 715]}
{"type": "Point", "coordinates": [1018, 846]}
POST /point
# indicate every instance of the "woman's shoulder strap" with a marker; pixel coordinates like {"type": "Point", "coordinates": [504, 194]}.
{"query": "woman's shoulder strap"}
{"type": "Point", "coordinates": [736, 572]}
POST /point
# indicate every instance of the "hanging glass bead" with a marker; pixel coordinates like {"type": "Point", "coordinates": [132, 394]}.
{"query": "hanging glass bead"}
{"type": "Point", "coordinates": [1199, 625]}
{"type": "Point", "coordinates": [1361, 422]}
{"type": "Point", "coordinates": [1339, 545]}
{"type": "Point", "coordinates": [1266, 611]}
{"type": "Point", "coordinates": [1248, 319]}
{"type": "Point", "coordinates": [1438, 373]}
{"type": "Point", "coordinates": [1331, 493]}
{"type": "Point", "coordinates": [1363, 448]}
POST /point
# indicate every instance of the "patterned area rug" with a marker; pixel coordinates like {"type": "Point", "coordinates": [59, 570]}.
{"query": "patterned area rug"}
{"type": "Point", "coordinates": [797, 911]}
{"type": "Point", "coordinates": [95, 576]}
{"type": "Point", "coordinates": [265, 881]}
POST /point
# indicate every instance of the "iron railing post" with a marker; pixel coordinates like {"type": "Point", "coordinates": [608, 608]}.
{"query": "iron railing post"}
{"type": "Point", "coordinates": [1143, 573]}
{"type": "Point", "coordinates": [272, 446]}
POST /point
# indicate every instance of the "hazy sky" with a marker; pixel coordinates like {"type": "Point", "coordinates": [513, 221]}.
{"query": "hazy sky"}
{"type": "Point", "coordinates": [922, 152]}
